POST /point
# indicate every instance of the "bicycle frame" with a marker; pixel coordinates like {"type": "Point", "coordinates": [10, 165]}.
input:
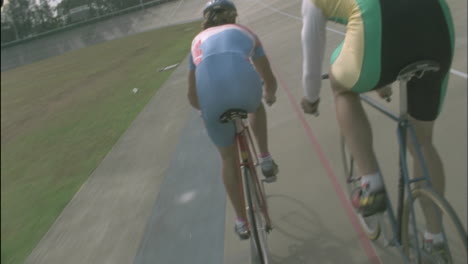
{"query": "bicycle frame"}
{"type": "Point", "coordinates": [404, 126]}
{"type": "Point", "coordinates": [247, 150]}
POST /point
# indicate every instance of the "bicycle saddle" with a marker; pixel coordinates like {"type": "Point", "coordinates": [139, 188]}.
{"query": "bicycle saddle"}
{"type": "Point", "coordinates": [417, 69]}
{"type": "Point", "coordinates": [233, 114]}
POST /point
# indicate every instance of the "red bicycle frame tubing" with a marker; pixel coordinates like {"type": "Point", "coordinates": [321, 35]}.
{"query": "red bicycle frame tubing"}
{"type": "Point", "coordinates": [251, 142]}
{"type": "Point", "coordinates": [245, 159]}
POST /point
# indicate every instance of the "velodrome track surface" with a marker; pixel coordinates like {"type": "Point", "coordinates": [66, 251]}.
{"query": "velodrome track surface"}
{"type": "Point", "coordinates": [157, 197]}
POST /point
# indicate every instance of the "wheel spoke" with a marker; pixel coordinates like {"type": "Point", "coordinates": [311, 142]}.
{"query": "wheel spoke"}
{"type": "Point", "coordinates": [454, 248]}
{"type": "Point", "coordinates": [257, 221]}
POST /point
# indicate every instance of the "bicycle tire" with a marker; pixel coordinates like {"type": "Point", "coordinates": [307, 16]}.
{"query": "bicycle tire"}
{"type": "Point", "coordinates": [446, 210]}
{"type": "Point", "coordinates": [259, 251]}
{"type": "Point", "coordinates": [352, 182]}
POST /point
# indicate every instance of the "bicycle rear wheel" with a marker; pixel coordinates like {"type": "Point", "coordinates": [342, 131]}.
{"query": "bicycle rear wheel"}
{"type": "Point", "coordinates": [455, 250]}
{"type": "Point", "coordinates": [370, 224]}
{"type": "Point", "coordinates": [256, 219]}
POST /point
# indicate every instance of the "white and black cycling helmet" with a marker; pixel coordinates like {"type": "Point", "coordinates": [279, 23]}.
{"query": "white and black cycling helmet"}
{"type": "Point", "coordinates": [219, 5]}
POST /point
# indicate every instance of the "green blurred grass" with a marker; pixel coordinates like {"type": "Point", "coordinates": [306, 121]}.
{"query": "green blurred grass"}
{"type": "Point", "coordinates": [61, 116]}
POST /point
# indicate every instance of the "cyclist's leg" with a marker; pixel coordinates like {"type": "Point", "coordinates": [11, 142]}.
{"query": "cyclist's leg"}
{"type": "Point", "coordinates": [232, 184]}
{"type": "Point", "coordinates": [425, 105]}
{"type": "Point", "coordinates": [425, 98]}
{"type": "Point", "coordinates": [251, 92]}
{"type": "Point", "coordinates": [355, 69]}
{"type": "Point", "coordinates": [230, 171]}
{"type": "Point", "coordinates": [424, 133]}
{"type": "Point", "coordinates": [426, 95]}
{"type": "Point", "coordinates": [355, 127]}
{"type": "Point", "coordinates": [223, 136]}
{"type": "Point", "coordinates": [258, 123]}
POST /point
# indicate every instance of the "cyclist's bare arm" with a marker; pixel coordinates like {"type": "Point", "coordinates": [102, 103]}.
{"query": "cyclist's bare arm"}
{"type": "Point", "coordinates": [262, 65]}
{"type": "Point", "coordinates": [264, 69]}
{"type": "Point", "coordinates": [192, 90]}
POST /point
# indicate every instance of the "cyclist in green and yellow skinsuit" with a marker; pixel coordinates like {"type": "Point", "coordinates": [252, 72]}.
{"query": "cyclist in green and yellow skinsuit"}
{"type": "Point", "coordinates": [382, 37]}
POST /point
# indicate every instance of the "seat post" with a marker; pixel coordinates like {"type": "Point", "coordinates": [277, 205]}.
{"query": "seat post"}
{"type": "Point", "coordinates": [417, 70]}
{"type": "Point", "coordinates": [239, 125]}
{"type": "Point", "coordinates": [403, 97]}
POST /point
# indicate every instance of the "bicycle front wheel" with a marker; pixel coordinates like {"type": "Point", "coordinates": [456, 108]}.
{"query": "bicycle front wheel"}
{"type": "Point", "coordinates": [455, 246]}
{"type": "Point", "coordinates": [370, 224]}
{"type": "Point", "coordinates": [257, 220]}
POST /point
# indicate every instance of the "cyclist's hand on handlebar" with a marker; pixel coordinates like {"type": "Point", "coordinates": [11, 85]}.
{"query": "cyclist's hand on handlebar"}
{"type": "Point", "coordinates": [310, 107]}
{"type": "Point", "coordinates": [270, 98]}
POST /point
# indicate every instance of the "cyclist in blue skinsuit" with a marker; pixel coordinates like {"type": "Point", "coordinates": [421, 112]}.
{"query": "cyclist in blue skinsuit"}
{"type": "Point", "coordinates": [227, 66]}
